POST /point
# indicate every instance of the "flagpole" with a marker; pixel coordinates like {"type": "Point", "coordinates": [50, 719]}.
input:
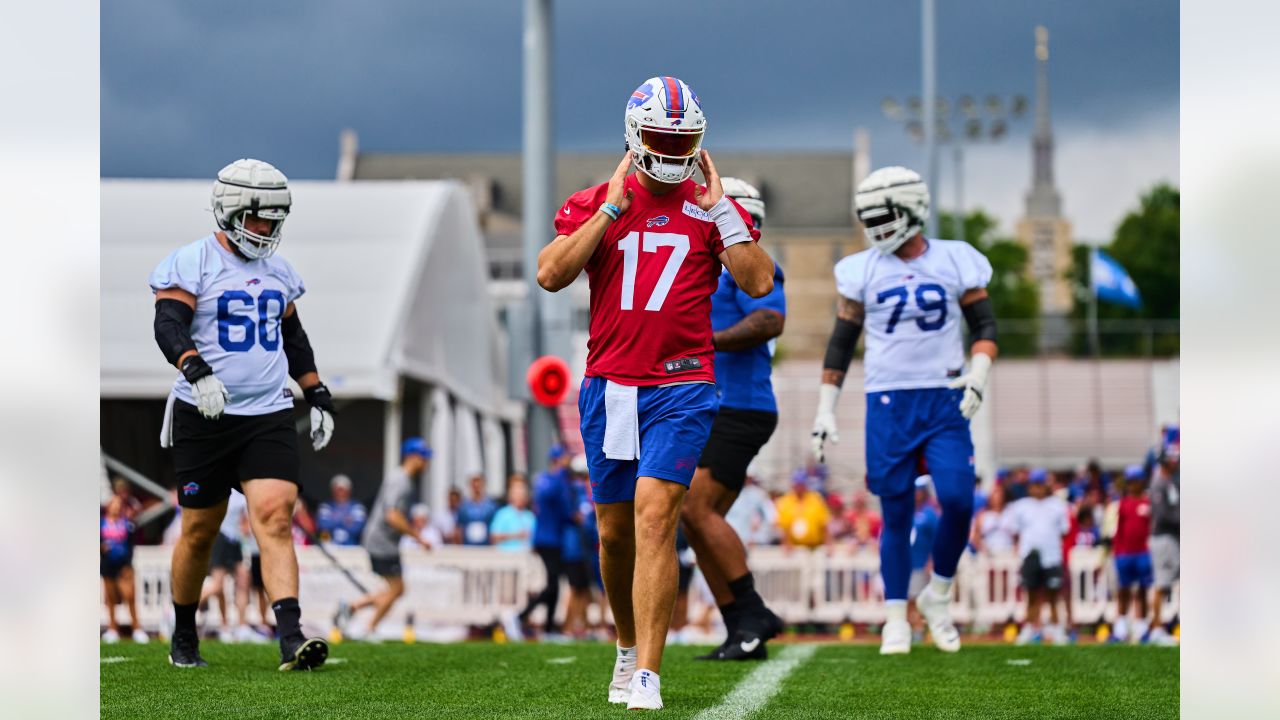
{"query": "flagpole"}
{"type": "Point", "coordinates": [1093, 304]}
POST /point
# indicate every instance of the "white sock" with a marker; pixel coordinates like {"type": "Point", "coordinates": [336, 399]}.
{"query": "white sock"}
{"type": "Point", "coordinates": [941, 585]}
{"type": "Point", "coordinates": [627, 652]}
{"type": "Point", "coordinates": [895, 610]}
{"type": "Point", "coordinates": [646, 679]}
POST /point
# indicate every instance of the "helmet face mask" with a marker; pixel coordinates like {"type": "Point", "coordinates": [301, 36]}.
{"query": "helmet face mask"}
{"type": "Point", "coordinates": [664, 129]}
{"type": "Point", "coordinates": [251, 188]}
{"type": "Point", "coordinates": [893, 205]}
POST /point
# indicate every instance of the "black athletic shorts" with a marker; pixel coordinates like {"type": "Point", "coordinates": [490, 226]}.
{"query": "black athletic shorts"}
{"type": "Point", "coordinates": [736, 437]}
{"type": "Point", "coordinates": [686, 577]}
{"type": "Point", "coordinates": [577, 573]}
{"type": "Point", "coordinates": [213, 456]}
{"type": "Point", "coordinates": [226, 553]}
{"type": "Point", "coordinates": [110, 569]}
{"type": "Point", "coordinates": [255, 572]}
{"type": "Point", "coordinates": [388, 566]}
{"type": "Point", "coordinates": [1036, 575]}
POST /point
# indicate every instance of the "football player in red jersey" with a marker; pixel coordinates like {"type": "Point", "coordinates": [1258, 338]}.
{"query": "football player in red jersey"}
{"type": "Point", "coordinates": [651, 243]}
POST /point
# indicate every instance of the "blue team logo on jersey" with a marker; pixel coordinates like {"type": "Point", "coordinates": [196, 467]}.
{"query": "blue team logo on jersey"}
{"type": "Point", "coordinates": [640, 96]}
{"type": "Point", "coordinates": [190, 488]}
{"type": "Point", "coordinates": [657, 221]}
{"type": "Point", "coordinates": [254, 281]}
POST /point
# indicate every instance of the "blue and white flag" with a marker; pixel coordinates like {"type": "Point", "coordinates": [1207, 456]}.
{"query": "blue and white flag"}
{"type": "Point", "coordinates": [1111, 282]}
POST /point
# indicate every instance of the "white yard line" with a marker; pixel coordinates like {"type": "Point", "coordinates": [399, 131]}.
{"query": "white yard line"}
{"type": "Point", "coordinates": [755, 690]}
{"type": "Point", "coordinates": [114, 659]}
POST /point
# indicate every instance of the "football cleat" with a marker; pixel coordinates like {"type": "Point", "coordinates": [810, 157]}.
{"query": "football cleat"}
{"type": "Point", "coordinates": [141, 636]}
{"type": "Point", "coordinates": [717, 653]}
{"type": "Point", "coordinates": [110, 637]}
{"type": "Point", "coordinates": [895, 638]}
{"type": "Point", "coordinates": [645, 693]}
{"type": "Point", "coordinates": [184, 650]}
{"type": "Point", "coordinates": [746, 645]}
{"type": "Point", "coordinates": [624, 669]}
{"type": "Point", "coordinates": [937, 612]}
{"type": "Point", "coordinates": [302, 654]}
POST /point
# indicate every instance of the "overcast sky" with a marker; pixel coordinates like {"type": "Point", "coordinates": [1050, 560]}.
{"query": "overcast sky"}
{"type": "Point", "coordinates": [187, 87]}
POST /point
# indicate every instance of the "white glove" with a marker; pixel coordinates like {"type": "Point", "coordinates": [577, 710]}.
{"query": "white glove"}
{"type": "Point", "coordinates": [321, 428]}
{"type": "Point", "coordinates": [824, 423]}
{"type": "Point", "coordinates": [973, 382]}
{"type": "Point", "coordinates": [210, 396]}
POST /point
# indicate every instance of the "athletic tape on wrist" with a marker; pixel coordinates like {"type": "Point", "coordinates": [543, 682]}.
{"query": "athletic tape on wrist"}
{"type": "Point", "coordinates": [733, 229]}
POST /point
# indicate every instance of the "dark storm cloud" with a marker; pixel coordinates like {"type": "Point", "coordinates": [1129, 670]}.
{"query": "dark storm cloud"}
{"type": "Point", "coordinates": [187, 87]}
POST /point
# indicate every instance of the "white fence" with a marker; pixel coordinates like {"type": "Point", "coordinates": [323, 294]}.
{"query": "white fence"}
{"type": "Point", "coordinates": [475, 586]}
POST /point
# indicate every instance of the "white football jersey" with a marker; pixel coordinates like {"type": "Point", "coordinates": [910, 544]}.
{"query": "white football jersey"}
{"type": "Point", "coordinates": [913, 321]}
{"type": "Point", "coordinates": [239, 306]}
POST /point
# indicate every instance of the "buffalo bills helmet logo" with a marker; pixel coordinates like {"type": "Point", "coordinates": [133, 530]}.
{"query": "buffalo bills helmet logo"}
{"type": "Point", "coordinates": [657, 221]}
{"type": "Point", "coordinates": [190, 488]}
{"type": "Point", "coordinates": [640, 96]}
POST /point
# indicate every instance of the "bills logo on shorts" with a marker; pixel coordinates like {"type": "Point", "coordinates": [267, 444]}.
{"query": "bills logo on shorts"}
{"type": "Point", "coordinates": [190, 488]}
{"type": "Point", "coordinates": [657, 221]}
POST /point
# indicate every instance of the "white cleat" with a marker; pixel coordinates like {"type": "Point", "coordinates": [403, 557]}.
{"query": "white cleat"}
{"type": "Point", "coordinates": [936, 610]}
{"type": "Point", "coordinates": [511, 627]}
{"type": "Point", "coordinates": [895, 638]}
{"type": "Point", "coordinates": [140, 636]}
{"type": "Point", "coordinates": [645, 692]}
{"type": "Point", "coordinates": [624, 668]}
{"type": "Point", "coordinates": [111, 637]}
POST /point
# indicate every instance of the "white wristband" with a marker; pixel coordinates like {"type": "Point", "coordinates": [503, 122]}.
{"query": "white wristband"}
{"type": "Point", "coordinates": [827, 396]}
{"type": "Point", "coordinates": [979, 367]}
{"type": "Point", "coordinates": [733, 229]}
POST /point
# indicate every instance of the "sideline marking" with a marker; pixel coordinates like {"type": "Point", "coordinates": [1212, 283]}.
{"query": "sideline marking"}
{"type": "Point", "coordinates": [1019, 662]}
{"type": "Point", "coordinates": [562, 660]}
{"type": "Point", "coordinates": [757, 688]}
{"type": "Point", "coordinates": [115, 659]}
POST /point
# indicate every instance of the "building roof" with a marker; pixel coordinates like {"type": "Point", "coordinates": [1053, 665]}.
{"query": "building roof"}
{"type": "Point", "coordinates": [802, 189]}
{"type": "Point", "coordinates": [395, 275]}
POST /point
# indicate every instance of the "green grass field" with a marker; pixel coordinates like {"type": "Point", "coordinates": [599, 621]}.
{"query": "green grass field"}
{"type": "Point", "coordinates": [483, 680]}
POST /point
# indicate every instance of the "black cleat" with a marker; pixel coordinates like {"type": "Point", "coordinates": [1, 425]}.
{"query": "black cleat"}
{"type": "Point", "coordinates": [184, 650]}
{"type": "Point", "coordinates": [754, 630]}
{"type": "Point", "coordinates": [717, 653]}
{"type": "Point", "coordinates": [302, 653]}
{"type": "Point", "coordinates": [745, 645]}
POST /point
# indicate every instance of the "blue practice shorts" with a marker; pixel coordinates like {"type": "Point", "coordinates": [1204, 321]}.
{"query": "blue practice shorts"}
{"type": "Point", "coordinates": [905, 427]}
{"type": "Point", "coordinates": [1134, 569]}
{"type": "Point", "coordinates": [675, 422]}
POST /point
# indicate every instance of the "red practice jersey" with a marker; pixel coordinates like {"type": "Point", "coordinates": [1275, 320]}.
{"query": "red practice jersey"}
{"type": "Point", "coordinates": [651, 278]}
{"type": "Point", "coordinates": [1133, 527]}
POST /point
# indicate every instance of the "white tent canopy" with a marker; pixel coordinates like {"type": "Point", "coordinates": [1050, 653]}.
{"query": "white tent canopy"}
{"type": "Point", "coordinates": [395, 275]}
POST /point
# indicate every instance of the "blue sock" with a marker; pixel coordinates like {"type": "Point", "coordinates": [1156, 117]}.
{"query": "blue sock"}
{"type": "Point", "coordinates": [895, 544]}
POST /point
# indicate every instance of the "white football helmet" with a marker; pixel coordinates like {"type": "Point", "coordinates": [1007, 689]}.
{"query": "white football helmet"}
{"type": "Point", "coordinates": [893, 205]}
{"type": "Point", "coordinates": [251, 186]}
{"type": "Point", "coordinates": [747, 196]}
{"type": "Point", "coordinates": [664, 129]}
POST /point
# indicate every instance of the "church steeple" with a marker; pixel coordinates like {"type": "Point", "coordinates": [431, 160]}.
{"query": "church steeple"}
{"type": "Point", "coordinates": [1043, 200]}
{"type": "Point", "coordinates": [1045, 233]}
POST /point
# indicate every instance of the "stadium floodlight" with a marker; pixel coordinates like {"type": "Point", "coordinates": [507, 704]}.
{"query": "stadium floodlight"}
{"type": "Point", "coordinates": [891, 108]}
{"type": "Point", "coordinates": [995, 108]}
{"type": "Point", "coordinates": [915, 106]}
{"type": "Point", "coordinates": [1020, 106]}
{"type": "Point", "coordinates": [968, 107]}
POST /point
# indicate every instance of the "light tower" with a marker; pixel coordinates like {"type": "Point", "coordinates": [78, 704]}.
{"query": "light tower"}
{"type": "Point", "coordinates": [1043, 230]}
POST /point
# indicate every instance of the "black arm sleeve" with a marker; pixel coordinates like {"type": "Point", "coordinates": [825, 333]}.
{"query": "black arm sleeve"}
{"type": "Point", "coordinates": [297, 347]}
{"type": "Point", "coordinates": [844, 338]}
{"type": "Point", "coordinates": [173, 328]}
{"type": "Point", "coordinates": [981, 320]}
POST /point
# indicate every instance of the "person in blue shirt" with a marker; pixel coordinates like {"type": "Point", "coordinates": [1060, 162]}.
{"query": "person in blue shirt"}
{"type": "Point", "coordinates": [744, 331]}
{"type": "Point", "coordinates": [554, 507]}
{"type": "Point", "coordinates": [512, 526]}
{"type": "Point", "coordinates": [341, 519]}
{"type": "Point", "coordinates": [574, 551]}
{"type": "Point", "coordinates": [475, 513]}
{"type": "Point", "coordinates": [924, 528]}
